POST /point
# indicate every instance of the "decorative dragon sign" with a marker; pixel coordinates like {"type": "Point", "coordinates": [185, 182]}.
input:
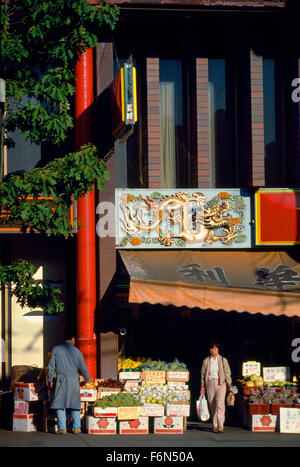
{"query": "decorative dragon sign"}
{"type": "Point", "coordinates": [183, 218]}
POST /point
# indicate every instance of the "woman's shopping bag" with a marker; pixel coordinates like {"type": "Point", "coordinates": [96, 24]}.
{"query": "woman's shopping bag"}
{"type": "Point", "coordinates": [230, 399]}
{"type": "Point", "coordinates": [202, 409]}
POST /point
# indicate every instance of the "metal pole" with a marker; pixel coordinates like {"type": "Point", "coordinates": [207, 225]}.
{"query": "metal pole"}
{"type": "Point", "coordinates": [86, 237]}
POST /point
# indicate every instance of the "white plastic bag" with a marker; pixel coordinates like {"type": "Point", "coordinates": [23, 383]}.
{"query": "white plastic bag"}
{"type": "Point", "coordinates": [202, 409]}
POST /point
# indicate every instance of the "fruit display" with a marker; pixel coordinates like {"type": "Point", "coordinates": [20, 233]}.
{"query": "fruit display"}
{"type": "Point", "coordinates": [143, 386]}
{"type": "Point", "coordinates": [130, 363]}
{"type": "Point", "coordinates": [143, 363]}
{"type": "Point", "coordinates": [160, 394]}
{"type": "Point", "coordinates": [111, 383]}
{"type": "Point", "coordinates": [255, 381]}
{"type": "Point", "coordinates": [85, 385]}
{"type": "Point", "coordinates": [159, 365]}
{"type": "Point", "coordinates": [268, 396]}
{"type": "Point", "coordinates": [120, 399]}
{"type": "Point", "coordinates": [281, 384]}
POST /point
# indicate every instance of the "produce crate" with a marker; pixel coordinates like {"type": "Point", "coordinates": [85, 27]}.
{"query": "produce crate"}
{"type": "Point", "coordinates": [168, 425]}
{"type": "Point", "coordinates": [275, 408]}
{"type": "Point", "coordinates": [263, 423]}
{"type": "Point", "coordinates": [88, 394]}
{"type": "Point", "coordinates": [110, 412]}
{"type": "Point", "coordinates": [24, 422]}
{"type": "Point", "coordinates": [101, 425]}
{"type": "Point", "coordinates": [258, 409]}
{"type": "Point", "coordinates": [177, 376]}
{"type": "Point", "coordinates": [152, 410]}
{"type": "Point", "coordinates": [179, 409]}
{"type": "Point", "coordinates": [29, 391]}
{"type": "Point", "coordinates": [138, 426]}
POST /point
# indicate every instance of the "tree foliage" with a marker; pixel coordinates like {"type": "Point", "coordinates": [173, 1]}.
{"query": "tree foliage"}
{"type": "Point", "coordinates": [29, 291]}
{"type": "Point", "coordinates": [41, 41]}
{"type": "Point", "coordinates": [61, 182]}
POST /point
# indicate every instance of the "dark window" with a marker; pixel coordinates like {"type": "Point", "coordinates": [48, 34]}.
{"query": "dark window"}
{"type": "Point", "coordinates": [222, 118]}
{"type": "Point", "coordinates": [174, 152]}
{"type": "Point", "coordinates": [274, 124]}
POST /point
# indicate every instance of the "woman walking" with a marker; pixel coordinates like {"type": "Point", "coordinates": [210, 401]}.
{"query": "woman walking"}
{"type": "Point", "coordinates": [215, 379]}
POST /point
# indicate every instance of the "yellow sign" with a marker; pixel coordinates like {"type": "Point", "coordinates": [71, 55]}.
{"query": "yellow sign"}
{"type": "Point", "coordinates": [154, 377]}
{"type": "Point", "coordinates": [128, 413]}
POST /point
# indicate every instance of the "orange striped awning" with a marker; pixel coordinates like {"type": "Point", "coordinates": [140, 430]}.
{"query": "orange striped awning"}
{"type": "Point", "coordinates": [266, 282]}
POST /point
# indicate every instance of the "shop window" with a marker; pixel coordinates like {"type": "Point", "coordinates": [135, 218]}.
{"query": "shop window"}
{"type": "Point", "coordinates": [174, 153]}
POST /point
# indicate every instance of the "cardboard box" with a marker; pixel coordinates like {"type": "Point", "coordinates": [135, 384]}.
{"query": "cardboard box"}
{"type": "Point", "coordinates": [24, 422]}
{"type": "Point", "coordinates": [109, 412]}
{"type": "Point", "coordinates": [24, 407]}
{"type": "Point", "coordinates": [179, 409]}
{"type": "Point", "coordinates": [265, 422]}
{"type": "Point", "coordinates": [29, 391]}
{"type": "Point", "coordinates": [177, 376]}
{"type": "Point", "coordinates": [138, 426]}
{"type": "Point", "coordinates": [152, 410]}
{"type": "Point", "coordinates": [168, 425]}
{"type": "Point", "coordinates": [101, 425]}
{"type": "Point", "coordinates": [88, 394]}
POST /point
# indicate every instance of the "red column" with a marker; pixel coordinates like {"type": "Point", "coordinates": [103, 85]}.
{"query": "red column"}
{"type": "Point", "coordinates": [86, 240]}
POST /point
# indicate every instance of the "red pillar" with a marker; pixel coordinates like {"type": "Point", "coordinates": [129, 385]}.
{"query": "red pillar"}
{"type": "Point", "coordinates": [86, 239]}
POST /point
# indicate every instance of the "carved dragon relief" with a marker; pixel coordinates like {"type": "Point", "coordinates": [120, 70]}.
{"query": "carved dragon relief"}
{"type": "Point", "coordinates": [192, 217]}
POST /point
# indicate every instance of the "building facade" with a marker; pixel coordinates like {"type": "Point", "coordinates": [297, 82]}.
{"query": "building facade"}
{"type": "Point", "coordinates": [217, 115]}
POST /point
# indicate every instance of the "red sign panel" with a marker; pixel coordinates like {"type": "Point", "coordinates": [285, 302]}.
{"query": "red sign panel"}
{"type": "Point", "coordinates": [277, 217]}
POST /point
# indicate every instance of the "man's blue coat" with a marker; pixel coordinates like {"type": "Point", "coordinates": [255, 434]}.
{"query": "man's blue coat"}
{"type": "Point", "coordinates": [66, 360]}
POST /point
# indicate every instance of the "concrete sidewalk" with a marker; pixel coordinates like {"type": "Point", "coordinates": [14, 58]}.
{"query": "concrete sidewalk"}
{"type": "Point", "coordinates": [197, 435]}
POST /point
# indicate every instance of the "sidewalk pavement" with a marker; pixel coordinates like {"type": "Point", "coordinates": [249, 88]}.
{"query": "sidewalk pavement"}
{"type": "Point", "coordinates": [197, 435]}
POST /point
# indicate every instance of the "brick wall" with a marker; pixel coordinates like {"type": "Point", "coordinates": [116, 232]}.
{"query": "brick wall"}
{"type": "Point", "coordinates": [257, 120]}
{"type": "Point", "coordinates": [202, 172]}
{"type": "Point", "coordinates": [153, 122]}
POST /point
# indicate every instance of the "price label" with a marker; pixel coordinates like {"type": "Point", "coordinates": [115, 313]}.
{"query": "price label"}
{"type": "Point", "coordinates": [251, 368]}
{"type": "Point", "coordinates": [128, 413]}
{"type": "Point", "coordinates": [155, 377]}
{"type": "Point", "coordinates": [289, 420]}
{"type": "Point", "coordinates": [276, 373]}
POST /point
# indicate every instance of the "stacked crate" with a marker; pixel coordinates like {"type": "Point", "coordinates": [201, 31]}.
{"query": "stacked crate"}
{"type": "Point", "coordinates": [29, 406]}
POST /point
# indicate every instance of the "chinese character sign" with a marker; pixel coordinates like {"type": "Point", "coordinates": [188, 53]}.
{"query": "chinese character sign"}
{"type": "Point", "coordinates": [278, 278]}
{"type": "Point", "coordinates": [289, 420]}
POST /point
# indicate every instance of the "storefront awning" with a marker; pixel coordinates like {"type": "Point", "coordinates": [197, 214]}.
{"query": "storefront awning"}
{"type": "Point", "coordinates": [242, 281]}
